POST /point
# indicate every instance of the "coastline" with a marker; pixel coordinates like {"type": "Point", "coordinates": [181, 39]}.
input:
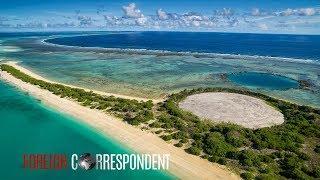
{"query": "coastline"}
{"type": "Point", "coordinates": [182, 165]}
{"type": "Point", "coordinates": [32, 74]}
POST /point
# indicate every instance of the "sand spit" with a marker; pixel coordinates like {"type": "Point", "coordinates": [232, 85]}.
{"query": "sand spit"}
{"type": "Point", "coordinates": [182, 164]}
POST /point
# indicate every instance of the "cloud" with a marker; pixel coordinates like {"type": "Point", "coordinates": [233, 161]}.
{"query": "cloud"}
{"type": "Point", "coordinates": [223, 19]}
{"type": "Point", "coordinates": [255, 12]}
{"type": "Point", "coordinates": [39, 25]}
{"type": "Point", "coordinates": [307, 11]}
{"type": "Point", "coordinates": [85, 20]}
{"type": "Point", "coordinates": [259, 12]}
{"type": "Point", "coordinates": [111, 20]}
{"type": "Point", "coordinates": [141, 21]}
{"type": "Point", "coordinates": [193, 16]}
{"type": "Point", "coordinates": [262, 26]}
{"type": "Point", "coordinates": [162, 15]}
{"type": "Point", "coordinates": [226, 12]}
{"type": "Point", "coordinates": [32, 25]}
{"type": "Point", "coordinates": [298, 12]}
{"type": "Point", "coordinates": [287, 12]}
{"type": "Point", "coordinates": [61, 25]}
{"type": "Point", "coordinates": [196, 23]}
{"type": "Point", "coordinates": [3, 18]}
{"type": "Point", "coordinates": [131, 11]}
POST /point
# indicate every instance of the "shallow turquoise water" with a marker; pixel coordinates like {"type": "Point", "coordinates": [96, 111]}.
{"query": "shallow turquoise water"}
{"type": "Point", "coordinates": [27, 126]}
{"type": "Point", "coordinates": [154, 75]}
{"type": "Point", "coordinates": [257, 80]}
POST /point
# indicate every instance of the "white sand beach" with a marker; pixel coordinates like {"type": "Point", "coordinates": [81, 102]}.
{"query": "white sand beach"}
{"type": "Point", "coordinates": [239, 109]}
{"type": "Point", "coordinates": [182, 164]}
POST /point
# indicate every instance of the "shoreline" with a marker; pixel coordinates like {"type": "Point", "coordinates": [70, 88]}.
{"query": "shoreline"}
{"type": "Point", "coordinates": [182, 164]}
{"type": "Point", "coordinates": [32, 74]}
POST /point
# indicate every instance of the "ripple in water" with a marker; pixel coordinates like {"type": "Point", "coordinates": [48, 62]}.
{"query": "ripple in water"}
{"type": "Point", "coordinates": [9, 49]}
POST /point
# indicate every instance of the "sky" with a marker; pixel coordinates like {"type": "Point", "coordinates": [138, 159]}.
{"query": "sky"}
{"type": "Point", "coordinates": [244, 16]}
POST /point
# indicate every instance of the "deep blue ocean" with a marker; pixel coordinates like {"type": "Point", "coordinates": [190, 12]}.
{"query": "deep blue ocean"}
{"type": "Point", "coordinates": [274, 45]}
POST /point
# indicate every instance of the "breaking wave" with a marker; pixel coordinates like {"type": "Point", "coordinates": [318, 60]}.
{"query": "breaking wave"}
{"type": "Point", "coordinates": [182, 53]}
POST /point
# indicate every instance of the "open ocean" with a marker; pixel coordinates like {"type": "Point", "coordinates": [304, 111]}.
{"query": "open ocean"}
{"type": "Point", "coordinates": [274, 45]}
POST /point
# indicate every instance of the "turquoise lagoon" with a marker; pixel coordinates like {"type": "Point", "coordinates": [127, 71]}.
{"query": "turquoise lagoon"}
{"type": "Point", "coordinates": [27, 126]}
{"type": "Point", "coordinates": [254, 80]}
{"type": "Point", "coordinates": [152, 73]}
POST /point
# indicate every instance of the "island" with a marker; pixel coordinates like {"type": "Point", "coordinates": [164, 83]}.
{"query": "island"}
{"type": "Point", "coordinates": [199, 148]}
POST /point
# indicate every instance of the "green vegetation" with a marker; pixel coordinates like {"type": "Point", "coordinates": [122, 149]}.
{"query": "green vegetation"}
{"type": "Point", "coordinates": [268, 153]}
{"type": "Point", "coordinates": [317, 149]}
{"type": "Point", "coordinates": [179, 144]}
{"type": "Point", "coordinates": [247, 175]}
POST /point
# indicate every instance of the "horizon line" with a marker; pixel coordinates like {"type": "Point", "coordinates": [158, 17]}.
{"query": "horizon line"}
{"type": "Point", "coordinates": [182, 31]}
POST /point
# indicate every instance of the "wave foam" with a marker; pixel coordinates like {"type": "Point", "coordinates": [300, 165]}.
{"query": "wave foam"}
{"type": "Point", "coordinates": [185, 53]}
{"type": "Point", "coordinates": [9, 49]}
